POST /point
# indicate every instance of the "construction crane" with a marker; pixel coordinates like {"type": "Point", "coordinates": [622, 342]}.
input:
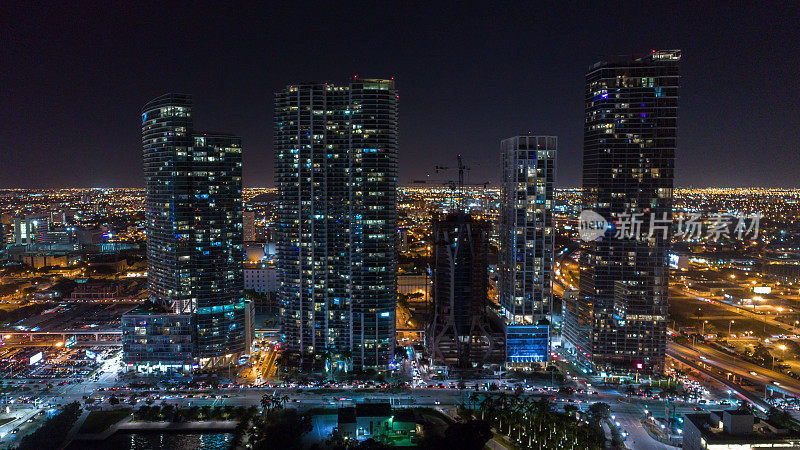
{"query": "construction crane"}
{"type": "Point", "coordinates": [461, 169]}
{"type": "Point", "coordinates": [459, 188]}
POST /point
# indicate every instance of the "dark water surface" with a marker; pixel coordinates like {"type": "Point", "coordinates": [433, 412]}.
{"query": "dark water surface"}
{"type": "Point", "coordinates": [156, 441]}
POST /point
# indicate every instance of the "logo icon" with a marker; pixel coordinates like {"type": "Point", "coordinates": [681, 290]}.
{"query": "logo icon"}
{"type": "Point", "coordinates": [592, 225]}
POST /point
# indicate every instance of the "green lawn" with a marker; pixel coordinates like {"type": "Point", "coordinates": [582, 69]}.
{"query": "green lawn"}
{"type": "Point", "coordinates": [99, 421]}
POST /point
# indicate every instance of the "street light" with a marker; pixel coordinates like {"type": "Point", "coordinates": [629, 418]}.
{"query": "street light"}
{"type": "Point", "coordinates": [729, 326]}
{"type": "Point", "coordinates": [781, 348]}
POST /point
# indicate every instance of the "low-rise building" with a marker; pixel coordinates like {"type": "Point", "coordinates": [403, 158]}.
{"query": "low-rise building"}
{"type": "Point", "coordinates": [785, 272]}
{"type": "Point", "coordinates": [372, 419]}
{"type": "Point", "coordinates": [37, 260]}
{"type": "Point", "coordinates": [156, 340]}
{"type": "Point", "coordinates": [346, 418]}
{"type": "Point", "coordinates": [739, 430]}
{"type": "Point", "coordinates": [527, 344]}
{"type": "Point", "coordinates": [378, 421]}
{"type": "Point", "coordinates": [88, 290]}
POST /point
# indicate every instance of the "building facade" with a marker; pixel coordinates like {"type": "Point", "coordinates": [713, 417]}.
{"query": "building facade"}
{"type": "Point", "coordinates": [630, 135]}
{"type": "Point", "coordinates": [31, 228]}
{"type": "Point", "coordinates": [249, 225]}
{"type": "Point", "coordinates": [194, 226]}
{"type": "Point", "coordinates": [156, 340]}
{"type": "Point", "coordinates": [577, 315]}
{"type": "Point", "coordinates": [336, 174]}
{"type": "Point", "coordinates": [260, 278]}
{"type": "Point", "coordinates": [527, 238]}
{"type": "Point", "coordinates": [461, 335]}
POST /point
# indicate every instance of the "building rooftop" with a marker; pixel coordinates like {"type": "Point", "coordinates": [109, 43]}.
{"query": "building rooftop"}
{"type": "Point", "coordinates": [712, 428]}
{"type": "Point", "coordinates": [739, 412]}
{"type": "Point", "coordinates": [404, 415]}
{"type": "Point", "coordinates": [347, 415]}
{"type": "Point", "coordinates": [147, 308]}
{"type": "Point", "coordinates": [654, 55]}
{"type": "Point", "coordinates": [82, 316]}
{"type": "Point", "coordinates": [373, 410]}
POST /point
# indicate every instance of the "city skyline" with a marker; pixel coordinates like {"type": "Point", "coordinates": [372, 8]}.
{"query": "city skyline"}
{"type": "Point", "coordinates": [729, 135]}
{"type": "Point", "coordinates": [427, 226]}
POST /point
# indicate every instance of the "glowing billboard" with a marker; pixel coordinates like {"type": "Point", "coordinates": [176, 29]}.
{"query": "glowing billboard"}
{"type": "Point", "coordinates": [36, 358]}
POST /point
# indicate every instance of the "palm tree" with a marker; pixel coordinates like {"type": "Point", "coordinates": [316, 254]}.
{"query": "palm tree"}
{"type": "Point", "coordinates": [487, 405]}
{"type": "Point", "coordinates": [264, 401]}
{"type": "Point", "coordinates": [502, 402]}
{"type": "Point", "coordinates": [267, 402]}
{"type": "Point", "coordinates": [532, 412]}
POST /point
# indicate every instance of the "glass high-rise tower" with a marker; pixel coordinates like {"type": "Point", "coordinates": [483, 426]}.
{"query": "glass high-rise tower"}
{"type": "Point", "coordinates": [527, 237]}
{"type": "Point", "coordinates": [336, 173]}
{"type": "Point", "coordinates": [194, 225]}
{"type": "Point", "coordinates": [630, 132]}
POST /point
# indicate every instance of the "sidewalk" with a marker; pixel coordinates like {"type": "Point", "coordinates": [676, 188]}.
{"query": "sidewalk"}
{"type": "Point", "coordinates": [607, 432]}
{"type": "Point", "coordinates": [494, 445]}
{"type": "Point", "coordinates": [638, 436]}
{"type": "Point", "coordinates": [497, 442]}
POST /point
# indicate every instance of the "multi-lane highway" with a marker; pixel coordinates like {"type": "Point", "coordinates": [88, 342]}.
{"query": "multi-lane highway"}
{"type": "Point", "coordinates": [703, 354]}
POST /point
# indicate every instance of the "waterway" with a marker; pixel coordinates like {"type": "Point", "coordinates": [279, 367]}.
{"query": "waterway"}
{"type": "Point", "coordinates": [158, 441]}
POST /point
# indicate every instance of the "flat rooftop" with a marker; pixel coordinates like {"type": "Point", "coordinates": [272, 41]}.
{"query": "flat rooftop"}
{"type": "Point", "coordinates": [66, 317]}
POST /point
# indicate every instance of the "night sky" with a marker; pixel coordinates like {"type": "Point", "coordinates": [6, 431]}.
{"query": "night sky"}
{"type": "Point", "coordinates": [73, 80]}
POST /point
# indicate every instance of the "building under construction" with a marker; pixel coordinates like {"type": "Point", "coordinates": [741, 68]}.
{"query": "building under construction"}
{"type": "Point", "coordinates": [462, 334]}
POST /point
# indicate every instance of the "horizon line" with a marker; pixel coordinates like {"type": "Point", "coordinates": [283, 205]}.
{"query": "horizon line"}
{"type": "Point", "coordinates": [399, 187]}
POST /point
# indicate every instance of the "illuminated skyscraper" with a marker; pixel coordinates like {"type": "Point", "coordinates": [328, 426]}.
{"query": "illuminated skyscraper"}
{"type": "Point", "coordinates": [336, 173]}
{"type": "Point", "coordinates": [28, 229]}
{"type": "Point", "coordinates": [526, 245]}
{"type": "Point", "coordinates": [194, 226]}
{"type": "Point", "coordinates": [630, 134]}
